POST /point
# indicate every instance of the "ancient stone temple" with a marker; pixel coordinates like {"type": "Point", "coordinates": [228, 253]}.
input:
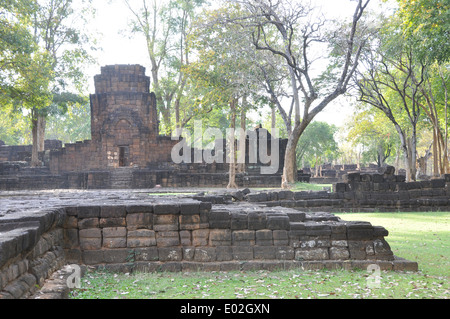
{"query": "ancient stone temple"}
{"type": "Point", "coordinates": [126, 150]}
{"type": "Point", "coordinates": [124, 125]}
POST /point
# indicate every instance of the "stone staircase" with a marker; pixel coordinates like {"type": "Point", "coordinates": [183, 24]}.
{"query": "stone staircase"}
{"type": "Point", "coordinates": [122, 178]}
{"type": "Point", "coordinates": [4, 154]}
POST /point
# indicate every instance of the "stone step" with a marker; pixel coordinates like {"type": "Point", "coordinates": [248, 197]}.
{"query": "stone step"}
{"type": "Point", "coordinates": [121, 178]}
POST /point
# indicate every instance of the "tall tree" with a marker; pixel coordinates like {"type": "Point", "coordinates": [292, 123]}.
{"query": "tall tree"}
{"type": "Point", "coordinates": [52, 61]}
{"type": "Point", "coordinates": [16, 47]}
{"type": "Point", "coordinates": [228, 72]}
{"type": "Point", "coordinates": [396, 79]}
{"type": "Point", "coordinates": [285, 29]}
{"type": "Point", "coordinates": [166, 27]}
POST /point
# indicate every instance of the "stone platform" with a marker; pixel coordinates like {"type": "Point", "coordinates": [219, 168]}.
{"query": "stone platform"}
{"type": "Point", "coordinates": [140, 230]}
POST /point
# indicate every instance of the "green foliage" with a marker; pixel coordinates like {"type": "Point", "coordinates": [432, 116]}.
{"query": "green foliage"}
{"type": "Point", "coordinates": [16, 43]}
{"type": "Point", "coordinates": [67, 121]}
{"type": "Point", "coordinates": [14, 127]}
{"type": "Point", "coordinates": [70, 119]}
{"type": "Point", "coordinates": [371, 131]}
{"type": "Point", "coordinates": [166, 26]}
{"type": "Point", "coordinates": [317, 145]}
{"type": "Point", "coordinates": [42, 56]}
{"type": "Point", "coordinates": [223, 72]}
{"type": "Point", "coordinates": [426, 23]}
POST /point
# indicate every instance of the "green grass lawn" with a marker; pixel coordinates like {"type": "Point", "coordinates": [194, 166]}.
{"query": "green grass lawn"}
{"type": "Point", "coordinates": [422, 237]}
{"type": "Point", "coordinates": [310, 187]}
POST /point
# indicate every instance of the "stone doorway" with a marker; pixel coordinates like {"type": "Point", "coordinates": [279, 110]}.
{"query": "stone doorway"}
{"type": "Point", "coordinates": [124, 154]}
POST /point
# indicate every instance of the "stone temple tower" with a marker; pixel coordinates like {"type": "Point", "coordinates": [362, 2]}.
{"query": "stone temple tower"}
{"type": "Point", "coordinates": [123, 115]}
{"type": "Point", "coordinates": [124, 125]}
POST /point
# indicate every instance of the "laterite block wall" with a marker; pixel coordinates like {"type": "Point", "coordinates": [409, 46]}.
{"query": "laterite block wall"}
{"type": "Point", "coordinates": [181, 235]}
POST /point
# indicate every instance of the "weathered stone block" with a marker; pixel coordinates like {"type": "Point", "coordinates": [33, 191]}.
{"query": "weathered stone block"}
{"type": "Point", "coordinates": [200, 237]}
{"type": "Point", "coordinates": [405, 265]}
{"type": "Point", "coordinates": [71, 238]}
{"type": "Point", "coordinates": [205, 254]}
{"type": "Point", "coordinates": [86, 223]}
{"type": "Point", "coordinates": [188, 253]}
{"type": "Point", "coordinates": [167, 238]}
{"type": "Point", "coordinates": [115, 237]}
{"type": "Point", "coordinates": [438, 183]}
{"type": "Point", "coordinates": [88, 211]}
{"type": "Point", "coordinates": [311, 254]}
{"type": "Point", "coordinates": [256, 197]}
{"type": "Point", "coordinates": [185, 238]}
{"type": "Point", "coordinates": [239, 221]}
{"type": "Point", "coordinates": [264, 252]}
{"type": "Point", "coordinates": [114, 232]}
{"type": "Point", "coordinates": [360, 231]}
{"type": "Point", "coordinates": [285, 253]}
{"type": "Point", "coordinates": [382, 248]}
{"type": "Point", "coordinates": [170, 254]}
{"type": "Point", "coordinates": [379, 231]}
{"type": "Point", "coordinates": [339, 253]}
{"type": "Point", "coordinates": [72, 211]}
{"type": "Point", "coordinates": [205, 207]}
{"type": "Point", "coordinates": [191, 222]}
{"type": "Point", "coordinates": [317, 229]}
{"type": "Point", "coordinates": [280, 238]}
{"type": "Point", "coordinates": [264, 237]}
{"type": "Point", "coordinates": [113, 211]}
{"type": "Point", "coordinates": [139, 221]}
{"type": "Point", "coordinates": [118, 256]}
{"type": "Point", "coordinates": [224, 253]}
{"type": "Point", "coordinates": [257, 220]}
{"type": "Point", "coordinates": [141, 238]}
{"type": "Point", "coordinates": [93, 257]}
{"type": "Point", "coordinates": [71, 222]}
{"type": "Point", "coordinates": [133, 209]}
{"type": "Point", "coordinates": [242, 252]}
{"type": "Point", "coordinates": [166, 209]}
{"type": "Point", "coordinates": [165, 222]}
{"type": "Point", "coordinates": [357, 249]}
{"type": "Point", "coordinates": [278, 222]}
{"type": "Point", "coordinates": [296, 217]}
{"type": "Point", "coordinates": [90, 239]}
{"type": "Point", "coordinates": [220, 237]}
{"type": "Point", "coordinates": [146, 254]}
{"type": "Point", "coordinates": [243, 237]}
{"type": "Point", "coordinates": [339, 243]}
{"type": "Point", "coordinates": [190, 208]}
{"type": "Point", "coordinates": [220, 219]}
{"type": "Point", "coordinates": [112, 222]}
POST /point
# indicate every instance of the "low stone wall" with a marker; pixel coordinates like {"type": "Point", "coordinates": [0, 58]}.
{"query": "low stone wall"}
{"type": "Point", "coordinates": [139, 179]}
{"type": "Point", "coordinates": [365, 193]}
{"type": "Point", "coordinates": [191, 234]}
{"type": "Point", "coordinates": [180, 235]}
{"type": "Point", "coordinates": [31, 251]}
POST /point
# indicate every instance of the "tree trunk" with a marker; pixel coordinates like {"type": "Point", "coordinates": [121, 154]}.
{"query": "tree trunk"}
{"type": "Point", "coordinates": [414, 153]}
{"type": "Point", "coordinates": [274, 119]}
{"type": "Point", "coordinates": [410, 159]}
{"type": "Point", "coordinates": [35, 145]}
{"type": "Point", "coordinates": [42, 122]}
{"type": "Point", "coordinates": [177, 114]}
{"type": "Point", "coordinates": [242, 144]}
{"type": "Point", "coordinates": [232, 146]}
{"type": "Point", "coordinates": [404, 145]}
{"type": "Point", "coordinates": [38, 133]}
{"type": "Point", "coordinates": [435, 155]}
{"type": "Point", "coordinates": [290, 156]}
